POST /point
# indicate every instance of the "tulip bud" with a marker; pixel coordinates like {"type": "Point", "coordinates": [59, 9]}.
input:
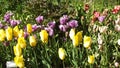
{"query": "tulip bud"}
{"type": "Point", "coordinates": [9, 33]}
{"type": "Point", "coordinates": [17, 50]}
{"type": "Point", "coordinates": [2, 35]}
{"type": "Point", "coordinates": [19, 61]}
{"type": "Point", "coordinates": [61, 53]}
{"type": "Point", "coordinates": [91, 59]}
{"type": "Point", "coordinates": [32, 41]}
{"type": "Point", "coordinates": [87, 41]}
{"type": "Point", "coordinates": [72, 33]}
{"type": "Point", "coordinates": [29, 28]}
{"type": "Point", "coordinates": [22, 42]}
{"type": "Point", "coordinates": [44, 36]}
{"type": "Point", "coordinates": [16, 31]}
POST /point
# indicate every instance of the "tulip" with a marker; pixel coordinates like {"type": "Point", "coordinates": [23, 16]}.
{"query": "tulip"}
{"type": "Point", "coordinates": [29, 28]}
{"type": "Point", "coordinates": [7, 16]}
{"type": "Point", "coordinates": [19, 61]}
{"type": "Point", "coordinates": [44, 36]}
{"type": "Point", "coordinates": [51, 24]}
{"type": "Point", "coordinates": [13, 22]}
{"type": "Point", "coordinates": [101, 18]}
{"type": "Point", "coordinates": [61, 53]}
{"type": "Point", "coordinates": [63, 28]}
{"type": "Point", "coordinates": [39, 19]}
{"type": "Point", "coordinates": [2, 35]}
{"type": "Point", "coordinates": [63, 19]}
{"type": "Point", "coordinates": [26, 34]}
{"type": "Point", "coordinates": [77, 39]}
{"type": "Point", "coordinates": [34, 27]}
{"type": "Point", "coordinates": [22, 42]}
{"type": "Point", "coordinates": [91, 59]}
{"type": "Point", "coordinates": [79, 34]}
{"type": "Point", "coordinates": [72, 33]}
{"type": "Point", "coordinates": [17, 50]}
{"type": "Point", "coordinates": [87, 41]}
{"type": "Point", "coordinates": [9, 33]}
{"type": "Point", "coordinates": [73, 23]}
{"type": "Point", "coordinates": [50, 31]}
{"type": "Point", "coordinates": [21, 33]}
{"type": "Point", "coordinates": [96, 14]}
{"type": "Point", "coordinates": [32, 41]}
{"type": "Point", "coordinates": [16, 31]}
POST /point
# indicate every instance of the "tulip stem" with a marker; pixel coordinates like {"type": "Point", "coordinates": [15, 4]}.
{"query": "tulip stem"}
{"type": "Point", "coordinates": [35, 58]}
{"type": "Point", "coordinates": [63, 64]}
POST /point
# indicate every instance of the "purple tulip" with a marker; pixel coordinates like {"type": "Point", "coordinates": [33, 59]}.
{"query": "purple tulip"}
{"type": "Point", "coordinates": [73, 23]}
{"type": "Point", "coordinates": [50, 31]}
{"type": "Point", "coordinates": [34, 27]}
{"type": "Point", "coordinates": [63, 28]}
{"type": "Point", "coordinates": [39, 19]}
{"type": "Point", "coordinates": [7, 16]}
{"type": "Point", "coordinates": [26, 34]}
{"type": "Point", "coordinates": [101, 18]}
{"type": "Point", "coordinates": [13, 23]}
{"type": "Point", "coordinates": [63, 19]}
{"type": "Point", "coordinates": [51, 24]}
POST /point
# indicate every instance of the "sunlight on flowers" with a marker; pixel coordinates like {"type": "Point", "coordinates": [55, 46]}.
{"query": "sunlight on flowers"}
{"type": "Point", "coordinates": [21, 33]}
{"type": "Point", "coordinates": [91, 59]}
{"type": "Point", "coordinates": [87, 41]}
{"type": "Point", "coordinates": [19, 61]}
{"type": "Point", "coordinates": [17, 50]}
{"type": "Point", "coordinates": [44, 36]}
{"type": "Point", "coordinates": [72, 33]}
{"type": "Point", "coordinates": [2, 35]}
{"type": "Point", "coordinates": [29, 28]}
{"type": "Point", "coordinates": [32, 41]}
{"type": "Point", "coordinates": [77, 39]}
{"type": "Point", "coordinates": [61, 53]}
{"type": "Point", "coordinates": [16, 31]}
{"type": "Point", "coordinates": [22, 42]}
{"type": "Point", "coordinates": [9, 33]}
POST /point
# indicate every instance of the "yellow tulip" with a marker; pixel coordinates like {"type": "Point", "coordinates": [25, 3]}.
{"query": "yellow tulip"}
{"type": "Point", "coordinates": [32, 41]}
{"type": "Point", "coordinates": [87, 41]}
{"type": "Point", "coordinates": [2, 35]}
{"type": "Point", "coordinates": [77, 39]}
{"type": "Point", "coordinates": [19, 61]}
{"type": "Point", "coordinates": [72, 33]}
{"type": "Point", "coordinates": [91, 59]}
{"type": "Point", "coordinates": [44, 36]}
{"type": "Point", "coordinates": [79, 34]}
{"type": "Point", "coordinates": [21, 33]}
{"type": "Point", "coordinates": [16, 31]}
{"type": "Point", "coordinates": [22, 42]}
{"type": "Point", "coordinates": [29, 28]}
{"type": "Point", "coordinates": [17, 50]}
{"type": "Point", "coordinates": [9, 33]}
{"type": "Point", "coordinates": [61, 53]}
